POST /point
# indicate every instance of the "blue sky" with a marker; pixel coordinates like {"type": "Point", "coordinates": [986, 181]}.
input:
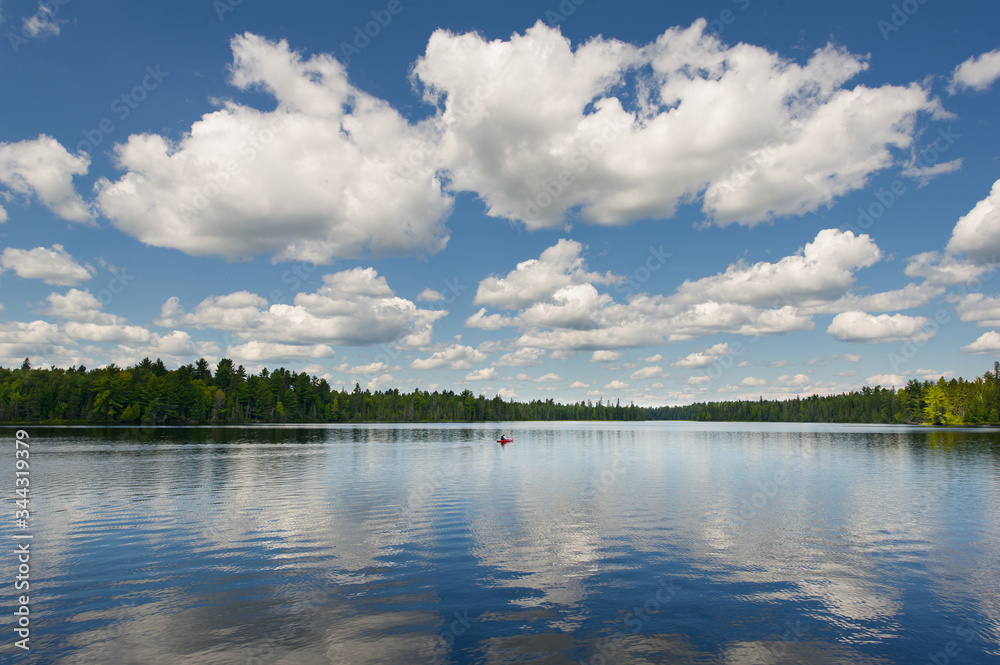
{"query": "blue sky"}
{"type": "Point", "coordinates": [568, 200]}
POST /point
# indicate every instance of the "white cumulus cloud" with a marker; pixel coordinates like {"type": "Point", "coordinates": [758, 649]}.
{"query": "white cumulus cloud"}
{"type": "Point", "coordinates": [354, 308]}
{"type": "Point", "coordinates": [174, 348]}
{"type": "Point", "coordinates": [430, 295]}
{"type": "Point", "coordinates": [262, 353]}
{"type": "Point", "coordinates": [78, 305]}
{"type": "Point", "coordinates": [456, 356]}
{"type": "Point", "coordinates": [977, 233]}
{"type": "Point", "coordinates": [84, 319]}
{"type": "Point", "coordinates": [651, 372]}
{"type": "Point", "coordinates": [972, 251]}
{"type": "Point", "coordinates": [977, 73]}
{"type": "Point", "coordinates": [52, 266]}
{"type": "Point", "coordinates": [44, 169]}
{"type": "Point", "coordinates": [538, 128]}
{"type": "Point", "coordinates": [323, 175]}
{"type": "Point", "coordinates": [562, 310]}
{"type": "Point", "coordinates": [536, 281]}
{"type": "Point", "coordinates": [988, 342]}
{"type": "Point", "coordinates": [485, 374]}
{"type": "Point", "coordinates": [43, 22]}
{"type": "Point", "coordinates": [866, 328]}
{"type": "Point", "coordinates": [821, 271]}
{"type": "Point", "coordinates": [984, 310]}
{"type": "Point", "coordinates": [525, 357]}
{"type": "Point", "coordinates": [704, 358]}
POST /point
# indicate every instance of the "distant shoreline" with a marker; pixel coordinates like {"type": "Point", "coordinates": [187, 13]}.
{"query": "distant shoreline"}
{"type": "Point", "coordinates": [148, 394]}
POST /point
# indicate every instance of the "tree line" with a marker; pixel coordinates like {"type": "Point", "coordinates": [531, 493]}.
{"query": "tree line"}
{"type": "Point", "coordinates": [148, 393]}
{"type": "Point", "coordinates": [955, 402]}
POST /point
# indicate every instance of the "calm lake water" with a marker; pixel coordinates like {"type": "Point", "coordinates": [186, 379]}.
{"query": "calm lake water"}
{"type": "Point", "coordinates": [577, 543]}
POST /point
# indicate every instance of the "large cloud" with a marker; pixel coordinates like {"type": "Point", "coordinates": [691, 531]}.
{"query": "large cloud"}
{"type": "Point", "coordinates": [456, 356]}
{"type": "Point", "coordinates": [561, 309]}
{"type": "Point", "coordinates": [44, 169]}
{"type": "Point", "coordinates": [988, 342]}
{"type": "Point", "coordinates": [941, 269]}
{"type": "Point", "coordinates": [538, 129]}
{"type": "Point", "coordinates": [705, 358]}
{"type": "Point", "coordinates": [173, 348]}
{"type": "Point", "coordinates": [43, 342]}
{"type": "Point", "coordinates": [823, 270]}
{"type": "Point", "coordinates": [84, 319]}
{"type": "Point", "coordinates": [972, 251]}
{"type": "Point", "coordinates": [523, 357]}
{"type": "Point", "coordinates": [330, 172]}
{"type": "Point", "coordinates": [865, 328]}
{"type": "Point", "coordinates": [52, 266]}
{"type": "Point", "coordinates": [558, 268]}
{"type": "Point", "coordinates": [977, 233]}
{"type": "Point", "coordinates": [257, 354]}
{"type": "Point", "coordinates": [985, 311]}
{"type": "Point", "coordinates": [354, 307]}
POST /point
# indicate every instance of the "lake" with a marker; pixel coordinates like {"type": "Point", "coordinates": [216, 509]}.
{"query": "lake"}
{"type": "Point", "coordinates": [597, 543]}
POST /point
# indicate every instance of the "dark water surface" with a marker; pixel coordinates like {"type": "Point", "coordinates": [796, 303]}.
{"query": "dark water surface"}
{"type": "Point", "coordinates": [577, 543]}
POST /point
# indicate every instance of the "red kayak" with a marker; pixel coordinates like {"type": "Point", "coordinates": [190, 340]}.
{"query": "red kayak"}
{"type": "Point", "coordinates": [503, 440]}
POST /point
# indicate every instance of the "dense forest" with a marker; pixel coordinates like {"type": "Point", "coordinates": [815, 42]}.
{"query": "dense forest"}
{"type": "Point", "coordinates": [150, 394]}
{"type": "Point", "coordinates": [955, 402]}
